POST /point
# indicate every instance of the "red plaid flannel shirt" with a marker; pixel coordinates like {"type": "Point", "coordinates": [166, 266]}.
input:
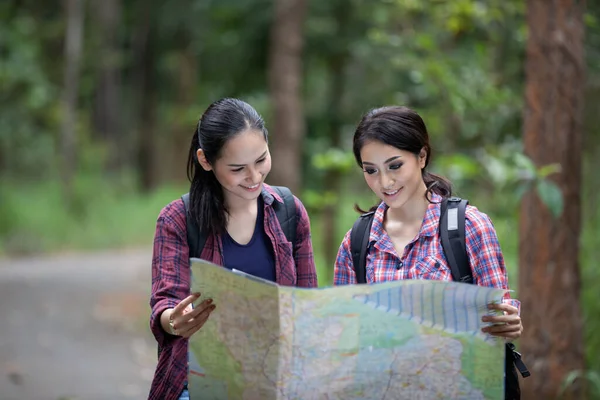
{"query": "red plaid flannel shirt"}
{"type": "Point", "coordinates": [171, 279]}
{"type": "Point", "coordinates": [423, 257]}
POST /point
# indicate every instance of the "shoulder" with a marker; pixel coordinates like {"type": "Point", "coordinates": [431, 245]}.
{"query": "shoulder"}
{"type": "Point", "coordinates": [271, 194]}
{"type": "Point", "coordinates": [347, 239]}
{"type": "Point", "coordinates": [477, 221]}
{"type": "Point", "coordinates": [173, 214]}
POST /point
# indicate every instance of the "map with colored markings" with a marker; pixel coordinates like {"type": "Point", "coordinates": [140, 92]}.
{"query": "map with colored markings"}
{"type": "Point", "coordinates": [395, 340]}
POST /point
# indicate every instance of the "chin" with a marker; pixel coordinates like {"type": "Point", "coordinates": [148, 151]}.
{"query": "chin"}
{"type": "Point", "coordinates": [396, 203]}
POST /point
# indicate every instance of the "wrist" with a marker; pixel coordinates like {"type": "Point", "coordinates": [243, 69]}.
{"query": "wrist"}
{"type": "Point", "coordinates": [164, 320]}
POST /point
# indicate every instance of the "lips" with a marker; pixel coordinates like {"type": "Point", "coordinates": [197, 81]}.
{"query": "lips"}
{"type": "Point", "coordinates": [392, 192]}
{"type": "Point", "coordinates": [251, 188]}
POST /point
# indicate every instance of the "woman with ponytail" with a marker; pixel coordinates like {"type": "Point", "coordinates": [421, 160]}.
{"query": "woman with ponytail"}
{"type": "Point", "coordinates": [391, 145]}
{"type": "Point", "coordinates": [228, 162]}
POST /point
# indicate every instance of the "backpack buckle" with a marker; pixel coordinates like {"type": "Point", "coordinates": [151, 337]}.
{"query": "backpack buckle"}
{"type": "Point", "coordinates": [518, 361]}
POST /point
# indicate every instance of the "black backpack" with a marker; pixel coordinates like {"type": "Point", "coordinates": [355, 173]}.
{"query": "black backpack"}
{"type": "Point", "coordinates": [286, 214]}
{"type": "Point", "coordinates": [452, 234]}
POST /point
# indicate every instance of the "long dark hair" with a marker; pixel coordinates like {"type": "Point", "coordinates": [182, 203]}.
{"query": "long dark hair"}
{"type": "Point", "coordinates": [222, 120]}
{"type": "Point", "coordinates": [404, 129]}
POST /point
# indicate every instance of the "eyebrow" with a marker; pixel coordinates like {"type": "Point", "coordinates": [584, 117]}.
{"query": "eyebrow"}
{"type": "Point", "coordinates": [243, 165]}
{"type": "Point", "coordinates": [389, 160]}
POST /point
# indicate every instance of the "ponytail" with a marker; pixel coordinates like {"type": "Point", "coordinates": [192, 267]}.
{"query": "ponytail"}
{"type": "Point", "coordinates": [436, 184]}
{"type": "Point", "coordinates": [361, 211]}
{"type": "Point", "coordinates": [207, 204]}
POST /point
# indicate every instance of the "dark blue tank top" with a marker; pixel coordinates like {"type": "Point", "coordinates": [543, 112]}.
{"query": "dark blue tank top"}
{"type": "Point", "coordinates": [255, 258]}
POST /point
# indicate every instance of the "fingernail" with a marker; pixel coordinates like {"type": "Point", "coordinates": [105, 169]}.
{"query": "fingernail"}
{"type": "Point", "coordinates": [213, 307]}
{"type": "Point", "coordinates": [197, 294]}
{"type": "Point", "coordinates": [209, 301]}
{"type": "Point", "coordinates": [485, 319]}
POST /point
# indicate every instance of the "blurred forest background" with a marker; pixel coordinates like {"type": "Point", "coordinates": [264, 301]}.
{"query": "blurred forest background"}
{"type": "Point", "coordinates": [100, 99]}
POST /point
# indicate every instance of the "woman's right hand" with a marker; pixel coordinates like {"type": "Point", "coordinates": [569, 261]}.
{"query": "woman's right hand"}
{"type": "Point", "coordinates": [183, 320]}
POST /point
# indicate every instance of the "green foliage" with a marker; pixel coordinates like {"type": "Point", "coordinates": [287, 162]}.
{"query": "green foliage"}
{"type": "Point", "coordinates": [28, 106]}
{"type": "Point", "coordinates": [591, 381]}
{"type": "Point", "coordinates": [551, 196]}
{"type": "Point", "coordinates": [507, 172]}
{"type": "Point", "coordinates": [334, 160]}
{"type": "Point", "coordinates": [330, 160]}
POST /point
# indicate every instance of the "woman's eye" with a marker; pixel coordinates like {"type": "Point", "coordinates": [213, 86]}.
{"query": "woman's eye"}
{"type": "Point", "coordinates": [261, 160]}
{"type": "Point", "coordinates": [237, 169]}
{"type": "Point", "coordinates": [370, 171]}
{"type": "Point", "coordinates": [395, 166]}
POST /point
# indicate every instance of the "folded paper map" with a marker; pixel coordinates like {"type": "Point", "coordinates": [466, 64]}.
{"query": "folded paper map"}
{"type": "Point", "coordinates": [413, 339]}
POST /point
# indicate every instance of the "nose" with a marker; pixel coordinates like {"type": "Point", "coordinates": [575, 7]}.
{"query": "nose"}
{"type": "Point", "coordinates": [387, 181]}
{"type": "Point", "coordinates": [254, 176]}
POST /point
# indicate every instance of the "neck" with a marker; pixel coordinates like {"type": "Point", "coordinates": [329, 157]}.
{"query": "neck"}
{"type": "Point", "coordinates": [413, 211]}
{"type": "Point", "coordinates": [236, 205]}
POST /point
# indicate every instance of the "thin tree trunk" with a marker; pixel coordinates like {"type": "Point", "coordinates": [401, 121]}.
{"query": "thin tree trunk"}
{"type": "Point", "coordinates": [549, 278]}
{"type": "Point", "coordinates": [144, 49]}
{"type": "Point", "coordinates": [72, 50]}
{"type": "Point", "coordinates": [333, 177]}
{"type": "Point", "coordinates": [285, 76]}
{"type": "Point", "coordinates": [182, 128]}
{"type": "Point", "coordinates": [107, 110]}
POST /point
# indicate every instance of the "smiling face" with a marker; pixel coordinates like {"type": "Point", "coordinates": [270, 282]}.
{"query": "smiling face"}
{"type": "Point", "coordinates": [394, 175]}
{"type": "Point", "coordinates": [242, 166]}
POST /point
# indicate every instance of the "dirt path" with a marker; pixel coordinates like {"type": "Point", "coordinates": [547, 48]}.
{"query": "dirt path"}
{"type": "Point", "coordinates": [75, 327]}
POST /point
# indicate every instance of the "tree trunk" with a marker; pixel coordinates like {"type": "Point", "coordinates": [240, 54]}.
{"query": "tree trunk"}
{"type": "Point", "coordinates": [549, 279]}
{"type": "Point", "coordinates": [333, 177]}
{"type": "Point", "coordinates": [285, 75]}
{"type": "Point", "coordinates": [72, 50]}
{"type": "Point", "coordinates": [107, 100]}
{"type": "Point", "coordinates": [182, 127]}
{"type": "Point", "coordinates": [144, 49]}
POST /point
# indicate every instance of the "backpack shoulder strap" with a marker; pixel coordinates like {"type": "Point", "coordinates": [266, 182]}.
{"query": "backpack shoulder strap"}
{"type": "Point", "coordinates": [195, 238]}
{"type": "Point", "coordinates": [452, 234]}
{"type": "Point", "coordinates": [359, 244]}
{"type": "Point", "coordinates": [286, 213]}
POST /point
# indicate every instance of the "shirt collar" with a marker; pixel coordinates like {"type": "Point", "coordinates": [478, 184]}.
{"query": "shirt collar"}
{"type": "Point", "coordinates": [269, 195]}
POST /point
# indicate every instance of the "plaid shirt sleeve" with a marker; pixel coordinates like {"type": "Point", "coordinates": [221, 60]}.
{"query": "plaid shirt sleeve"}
{"type": "Point", "coordinates": [343, 273]}
{"type": "Point", "coordinates": [170, 261]}
{"type": "Point", "coordinates": [303, 252]}
{"type": "Point", "coordinates": [485, 254]}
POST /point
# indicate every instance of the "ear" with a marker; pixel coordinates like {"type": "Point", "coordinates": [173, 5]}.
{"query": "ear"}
{"type": "Point", "coordinates": [203, 161]}
{"type": "Point", "coordinates": [422, 158]}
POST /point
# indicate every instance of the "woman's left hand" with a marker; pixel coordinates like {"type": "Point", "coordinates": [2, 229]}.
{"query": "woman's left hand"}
{"type": "Point", "coordinates": [507, 326]}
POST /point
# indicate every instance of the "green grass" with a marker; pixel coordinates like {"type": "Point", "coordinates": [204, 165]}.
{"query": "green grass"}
{"type": "Point", "coordinates": [34, 219]}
